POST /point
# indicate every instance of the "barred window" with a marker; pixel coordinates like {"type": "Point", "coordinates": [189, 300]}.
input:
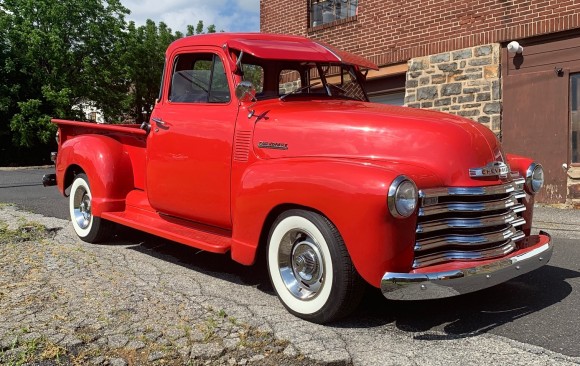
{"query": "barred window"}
{"type": "Point", "coordinates": [327, 11]}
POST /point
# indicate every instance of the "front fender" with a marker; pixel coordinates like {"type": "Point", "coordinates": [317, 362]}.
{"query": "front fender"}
{"type": "Point", "coordinates": [351, 194]}
{"type": "Point", "coordinates": [107, 165]}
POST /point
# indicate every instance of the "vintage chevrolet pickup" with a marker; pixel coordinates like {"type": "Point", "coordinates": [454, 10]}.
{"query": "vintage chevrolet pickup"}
{"type": "Point", "coordinates": [267, 145]}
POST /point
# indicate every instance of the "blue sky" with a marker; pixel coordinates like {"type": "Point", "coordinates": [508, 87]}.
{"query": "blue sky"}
{"type": "Point", "coordinates": [227, 15]}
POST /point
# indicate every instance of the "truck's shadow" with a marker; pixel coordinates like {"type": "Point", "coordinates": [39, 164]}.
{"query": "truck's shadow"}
{"type": "Point", "coordinates": [471, 314]}
{"type": "Point", "coordinates": [462, 316]}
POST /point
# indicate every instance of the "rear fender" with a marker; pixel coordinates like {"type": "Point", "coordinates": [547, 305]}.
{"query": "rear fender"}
{"type": "Point", "coordinates": [107, 165]}
{"type": "Point", "coordinates": [351, 194]}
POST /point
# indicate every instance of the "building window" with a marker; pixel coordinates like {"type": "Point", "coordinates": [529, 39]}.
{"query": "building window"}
{"type": "Point", "coordinates": [575, 116]}
{"type": "Point", "coordinates": [327, 11]}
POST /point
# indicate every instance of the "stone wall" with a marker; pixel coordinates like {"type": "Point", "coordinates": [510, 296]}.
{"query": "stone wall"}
{"type": "Point", "coordinates": [465, 82]}
{"type": "Point", "coordinates": [573, 173]}
{"type": "Point", "coordinates": [288, 87]}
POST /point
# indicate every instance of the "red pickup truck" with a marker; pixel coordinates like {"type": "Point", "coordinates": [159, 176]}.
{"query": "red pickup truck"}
{"type": "Point", "coordinates": [268, 144]}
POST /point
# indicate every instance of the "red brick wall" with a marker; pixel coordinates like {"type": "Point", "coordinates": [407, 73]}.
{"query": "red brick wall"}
{"type": "Point", "coordinates": [393, 31]}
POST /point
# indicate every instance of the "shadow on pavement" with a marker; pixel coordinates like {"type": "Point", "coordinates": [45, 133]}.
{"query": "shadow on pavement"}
{"type": "Point", "coordinates": [457, 317]}
{"type": "Point", "coordinates": [217, 265]}
{"type": "Point", "coordinates": [471, 314]}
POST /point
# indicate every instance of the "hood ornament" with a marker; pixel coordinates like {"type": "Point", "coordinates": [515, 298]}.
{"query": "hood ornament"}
{"type": "Point", "coordinates": [495, 168]}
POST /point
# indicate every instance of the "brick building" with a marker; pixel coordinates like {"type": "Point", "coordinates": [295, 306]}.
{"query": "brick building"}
{"type": "Point", "coordinates": [452, 56]}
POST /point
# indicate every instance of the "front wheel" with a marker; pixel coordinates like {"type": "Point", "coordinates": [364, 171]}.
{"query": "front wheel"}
{"type": "Point", "coordinates": [89, 228]}
{"type": "Point", "coordinates": [310, 268]}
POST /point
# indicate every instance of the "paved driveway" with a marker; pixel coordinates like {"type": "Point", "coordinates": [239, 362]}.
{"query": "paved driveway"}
{"type": "Point", "coordinates": [142, 283]}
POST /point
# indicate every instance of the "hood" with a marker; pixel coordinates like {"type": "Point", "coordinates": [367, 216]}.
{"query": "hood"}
{"type": "Point", "coordinates": [444, 144]}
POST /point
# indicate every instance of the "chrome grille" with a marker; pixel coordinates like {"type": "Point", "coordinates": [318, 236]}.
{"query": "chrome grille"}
{"type": "Point", "coordinates": [468, 223]}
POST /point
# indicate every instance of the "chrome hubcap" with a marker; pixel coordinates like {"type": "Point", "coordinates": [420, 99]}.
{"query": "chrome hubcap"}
{"type": "Point", "coordinates": [301, 264]}
{"type": "Point", "coordinates": [82, 208]}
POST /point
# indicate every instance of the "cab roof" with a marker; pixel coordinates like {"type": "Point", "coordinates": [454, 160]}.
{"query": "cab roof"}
{"type": "Point", "coordinates": [275, 47]}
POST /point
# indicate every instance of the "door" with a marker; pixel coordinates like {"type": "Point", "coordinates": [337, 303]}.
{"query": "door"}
{"type": "Point", "coordinates": [535, 124]}
{"type": "Point", "coordinates": [190, 144]}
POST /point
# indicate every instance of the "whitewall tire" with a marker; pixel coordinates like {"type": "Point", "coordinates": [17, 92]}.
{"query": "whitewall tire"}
{"type": "Point", "coordinates": [89, 228]}
{"type": "Point", "coordinates": [310, 268]}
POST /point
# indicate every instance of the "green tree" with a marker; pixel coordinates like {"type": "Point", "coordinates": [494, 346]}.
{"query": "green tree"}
{"type": "Point", "coordinates": [144, 60]}
{"type": "Point", "coordinates": [57, 54]}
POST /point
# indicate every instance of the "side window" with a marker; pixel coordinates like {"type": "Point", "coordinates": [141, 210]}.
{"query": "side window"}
{"type": "Point", "coordinates": [219, 89]}
{"type": "Point", "coordinates": [199, 78]}
{"type": "Point", "coordinates": [254, 74]}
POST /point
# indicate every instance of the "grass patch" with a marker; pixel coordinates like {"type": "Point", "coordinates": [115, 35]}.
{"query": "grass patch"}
{"type": "Point", "coordinates": [24, 351]}
{"type": "Point", "coordinates": [26, 231]}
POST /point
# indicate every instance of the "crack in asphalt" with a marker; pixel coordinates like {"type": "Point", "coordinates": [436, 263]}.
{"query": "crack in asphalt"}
{"type": "Point", "coordinates": [83, 295]}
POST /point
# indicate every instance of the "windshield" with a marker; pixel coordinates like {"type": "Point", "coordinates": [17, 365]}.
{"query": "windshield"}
{"type": "Point", "coordinates": [288, 80]}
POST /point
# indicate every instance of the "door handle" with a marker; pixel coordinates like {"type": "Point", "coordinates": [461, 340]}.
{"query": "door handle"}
{"type": "Point", "coordinates": [159, 123]}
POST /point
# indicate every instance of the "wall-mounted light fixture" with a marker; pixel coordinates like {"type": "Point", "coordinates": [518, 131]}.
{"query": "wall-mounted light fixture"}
{"type": "Point", "coordinates": [514, 47]}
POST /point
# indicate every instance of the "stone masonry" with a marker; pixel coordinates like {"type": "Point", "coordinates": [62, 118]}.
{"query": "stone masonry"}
{"type": "Point", "coordinates": [465, 82]}
{"type": "Point", "coordinates": [573, 173]}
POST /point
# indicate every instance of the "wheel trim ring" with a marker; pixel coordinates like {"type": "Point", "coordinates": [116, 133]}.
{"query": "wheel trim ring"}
{"type": "Point", "coordinates": [299, 287]}
{"type": "Point", "coordinates": [312, 305]}
{"type": "Point", "coordinates": [82, 207]}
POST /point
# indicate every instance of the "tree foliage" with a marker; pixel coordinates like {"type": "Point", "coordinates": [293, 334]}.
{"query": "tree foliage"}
{"type": "Point", "coordinates": [58, 54]}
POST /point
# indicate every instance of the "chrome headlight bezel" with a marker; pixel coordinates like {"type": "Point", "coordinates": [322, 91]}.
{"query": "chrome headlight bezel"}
{"type": "Point", "coordinates": [534, 178]}
{"type": "Point", "coordinates": [403, 197]}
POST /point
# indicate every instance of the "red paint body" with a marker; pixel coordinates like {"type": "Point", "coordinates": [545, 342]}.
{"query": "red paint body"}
{"type": "Point", "coordinates": [201, 179]}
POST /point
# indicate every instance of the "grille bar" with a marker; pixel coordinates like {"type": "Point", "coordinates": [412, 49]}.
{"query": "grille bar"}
{"type": "Point", "coordinates": [494, 252]}
{"type": "Point", "coordinates": [516, 185]}
{"type": "Point", "coordinates": [510, 201]}
{"type": "Point", "coordinates": [469, 223]}
{"type": "Point", "coordinates": [467, 240]}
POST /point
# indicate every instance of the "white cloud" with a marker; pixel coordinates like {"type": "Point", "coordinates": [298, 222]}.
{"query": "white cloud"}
{"type": "Point", "coordinates": [249, 5]}
{"type": "Point", "coordinates": [227, 15]}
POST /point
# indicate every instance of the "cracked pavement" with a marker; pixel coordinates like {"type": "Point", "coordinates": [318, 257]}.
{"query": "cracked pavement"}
{"type": "Point", "coordinates": [129, 302]}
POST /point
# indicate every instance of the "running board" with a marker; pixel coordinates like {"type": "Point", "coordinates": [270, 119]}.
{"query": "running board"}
{"type": "Point", "coordinates": [145, 219]}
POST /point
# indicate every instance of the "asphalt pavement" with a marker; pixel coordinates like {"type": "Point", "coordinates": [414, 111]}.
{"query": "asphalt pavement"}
{"type": "Point", "coordinates": [559, 222]}
{"type": "Point", "coordinates": [537, 312]}
{"type": "Point", "coordinates": [23, 187]}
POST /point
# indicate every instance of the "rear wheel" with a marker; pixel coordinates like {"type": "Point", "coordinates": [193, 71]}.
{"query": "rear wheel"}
{"type": "Point", "coordinates": [310, 268]}
{"type": "Point", "coordinates": [89, 228]}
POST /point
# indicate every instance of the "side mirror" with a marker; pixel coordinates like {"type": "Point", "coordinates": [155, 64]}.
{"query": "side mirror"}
{"type": "Point", "coordinates": [246, 92]}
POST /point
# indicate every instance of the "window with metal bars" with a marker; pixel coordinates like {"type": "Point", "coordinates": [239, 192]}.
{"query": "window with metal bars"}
{"type": "Point", "coordinates": [327, 11]}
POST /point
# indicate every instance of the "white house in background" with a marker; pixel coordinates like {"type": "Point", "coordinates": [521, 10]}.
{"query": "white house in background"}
{"type": "Point", "coordinates": [90, 111]}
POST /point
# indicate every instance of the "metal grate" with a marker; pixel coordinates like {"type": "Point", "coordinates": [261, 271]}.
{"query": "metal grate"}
{"type": "Point", "coordinates": [469, 223]}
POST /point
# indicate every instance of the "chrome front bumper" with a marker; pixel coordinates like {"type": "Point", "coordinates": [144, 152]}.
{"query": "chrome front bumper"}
{"type": "Point", "coordinates": [436, 285]}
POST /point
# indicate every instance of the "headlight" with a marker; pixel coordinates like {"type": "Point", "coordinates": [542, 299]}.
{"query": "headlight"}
{"type": "Point", "coordinates": [534, 178]}
{"type": "Point", "coordinates": [402, 198]}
